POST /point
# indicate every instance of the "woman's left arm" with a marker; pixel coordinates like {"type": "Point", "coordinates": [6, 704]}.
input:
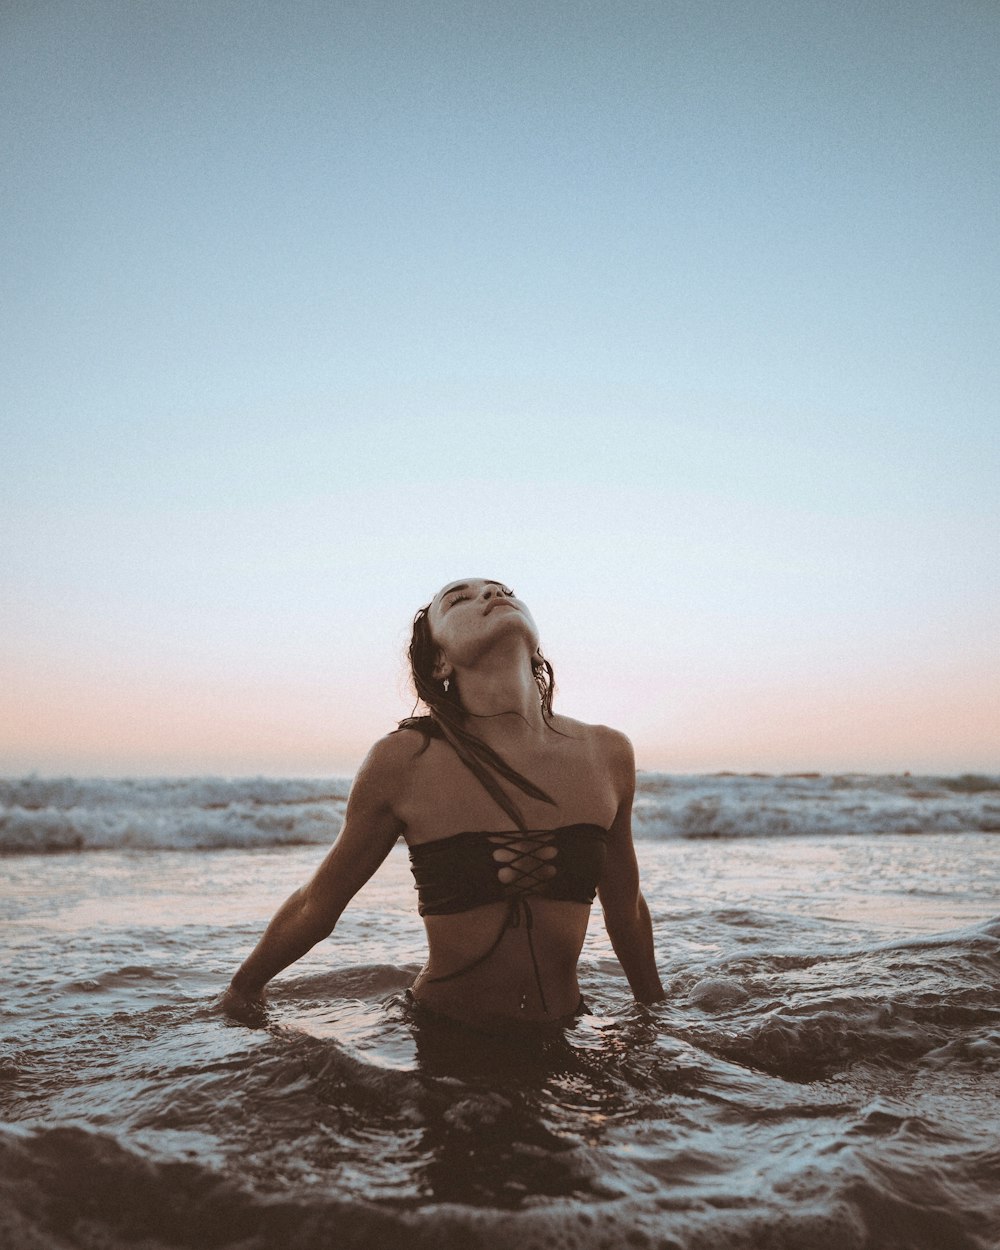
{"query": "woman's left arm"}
{"type": "Point", "coordinates": [626, 915]}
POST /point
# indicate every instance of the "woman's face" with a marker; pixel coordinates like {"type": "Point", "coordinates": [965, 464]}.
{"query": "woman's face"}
{"type": "Point", "coordinates": [468, 616]}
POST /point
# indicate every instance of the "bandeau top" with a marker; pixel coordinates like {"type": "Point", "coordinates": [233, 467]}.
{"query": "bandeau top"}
{"type": "Point", "coordinates": [469, 869]}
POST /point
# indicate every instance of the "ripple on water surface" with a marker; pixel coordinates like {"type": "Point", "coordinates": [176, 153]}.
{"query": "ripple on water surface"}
{"type": "Point", "coordinates": [810, 1082]}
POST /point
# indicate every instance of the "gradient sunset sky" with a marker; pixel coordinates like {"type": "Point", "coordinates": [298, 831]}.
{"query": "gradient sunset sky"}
{"type": "Point", "coordinates": [680, 318]}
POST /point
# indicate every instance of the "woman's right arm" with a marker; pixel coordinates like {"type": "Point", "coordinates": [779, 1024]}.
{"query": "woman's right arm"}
{"type": "Point", "coordinates": [370, 829]}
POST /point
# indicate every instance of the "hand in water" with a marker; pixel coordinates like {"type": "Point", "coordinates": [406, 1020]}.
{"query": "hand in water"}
{"type": "Point", "coordinates": [251, 1011]}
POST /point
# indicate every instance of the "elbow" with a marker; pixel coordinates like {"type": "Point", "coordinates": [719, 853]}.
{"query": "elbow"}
{"type": "Point", "coordinates": [316, 916]}
{"type": "Point", "coordinates": [625, 914]}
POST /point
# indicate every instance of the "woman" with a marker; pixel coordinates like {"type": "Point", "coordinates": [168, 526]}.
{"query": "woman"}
{"type": "Point", "coordinates": [514, 816]}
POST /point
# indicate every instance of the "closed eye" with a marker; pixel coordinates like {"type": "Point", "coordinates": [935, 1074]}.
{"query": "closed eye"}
{"type": "Point", "coordinates": [454, 597]}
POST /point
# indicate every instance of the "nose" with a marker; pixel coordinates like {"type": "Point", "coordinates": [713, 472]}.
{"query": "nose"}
{"type": "Point", "coordinates": [490, 592]}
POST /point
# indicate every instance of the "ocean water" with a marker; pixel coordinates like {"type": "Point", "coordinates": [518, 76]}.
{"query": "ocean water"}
{"type": "Point", "coordinates": [825, 1071]}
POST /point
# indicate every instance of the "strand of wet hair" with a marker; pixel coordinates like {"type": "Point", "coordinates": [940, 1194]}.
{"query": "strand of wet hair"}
{"type": "Point", "coordinates": [474, 754]}
{"type": "Point", "coordinates": [478, 757]}
{"type": "Point", "coordinates": [431, 726]}
{"type": "Point", "coordinates": [487, 753]}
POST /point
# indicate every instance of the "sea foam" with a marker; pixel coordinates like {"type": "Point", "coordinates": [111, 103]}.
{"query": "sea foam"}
{"type": "Point", "coordinates": [74, 814]}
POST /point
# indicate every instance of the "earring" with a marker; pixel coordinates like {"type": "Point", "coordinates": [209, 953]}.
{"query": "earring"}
{"type": "Point", "coordinates": [446, 685]}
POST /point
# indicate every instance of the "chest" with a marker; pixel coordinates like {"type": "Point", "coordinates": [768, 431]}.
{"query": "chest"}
{"type": "Point", "coordinates": [443, 797]}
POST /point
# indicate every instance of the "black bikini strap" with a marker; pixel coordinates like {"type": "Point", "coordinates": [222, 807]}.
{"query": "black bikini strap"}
{"type": "Point", "coordinates": [512, 921]}
{"type": "Point", "coordinates": [528, 923]}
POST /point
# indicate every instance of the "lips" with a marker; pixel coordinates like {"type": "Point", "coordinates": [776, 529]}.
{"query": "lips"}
{"type": "Point", "coordinates": [498, 603]}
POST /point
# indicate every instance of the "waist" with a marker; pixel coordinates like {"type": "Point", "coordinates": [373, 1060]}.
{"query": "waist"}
{"type": "Point", "coordinates": [489, 1023]}
{"type": "Point", "coordinates": [558, 929]}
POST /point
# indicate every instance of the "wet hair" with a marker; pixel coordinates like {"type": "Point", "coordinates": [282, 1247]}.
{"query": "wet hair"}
{"type": "Point", "coordinates": [446, 718]}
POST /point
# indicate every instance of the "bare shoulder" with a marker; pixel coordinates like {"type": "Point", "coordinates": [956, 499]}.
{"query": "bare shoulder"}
{"type": "Point", "coordinates": [620, 755]}
{"type": "Point", "coordinates": [617, 744]}
{"type": "Point", "coordinates": [610, 746]}
{"type": "Point", "coordinates": [386, 769]}
{"type": "Point", "coordinates": [397, 749]}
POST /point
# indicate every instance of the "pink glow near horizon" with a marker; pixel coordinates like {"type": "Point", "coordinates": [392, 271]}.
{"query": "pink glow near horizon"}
{"type": "Point", "coordinates": [62, 725]}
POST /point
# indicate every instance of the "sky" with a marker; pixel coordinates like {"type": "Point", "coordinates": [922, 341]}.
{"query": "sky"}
{"type": "Point", "coordinates": [679, 318]}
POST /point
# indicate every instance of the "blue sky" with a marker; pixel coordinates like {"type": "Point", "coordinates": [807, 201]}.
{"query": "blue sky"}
{"type": "Point", "coordinates": [681, 318]}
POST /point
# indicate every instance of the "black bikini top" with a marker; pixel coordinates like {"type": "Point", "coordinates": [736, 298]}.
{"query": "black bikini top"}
{"type": "Point", "coordinates": [467, 870]}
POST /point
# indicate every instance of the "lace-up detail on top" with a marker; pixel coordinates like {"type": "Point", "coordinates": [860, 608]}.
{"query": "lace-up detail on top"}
{"type": "Point", "coordinates": [523, 860]}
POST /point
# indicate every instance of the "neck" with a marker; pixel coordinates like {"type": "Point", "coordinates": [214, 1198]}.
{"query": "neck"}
{"type": "Point", "coordinates": [500, 697]}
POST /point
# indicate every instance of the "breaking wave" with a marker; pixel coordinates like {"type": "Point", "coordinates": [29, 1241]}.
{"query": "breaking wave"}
{"type": "Point", "coordinates": [73, 814]}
